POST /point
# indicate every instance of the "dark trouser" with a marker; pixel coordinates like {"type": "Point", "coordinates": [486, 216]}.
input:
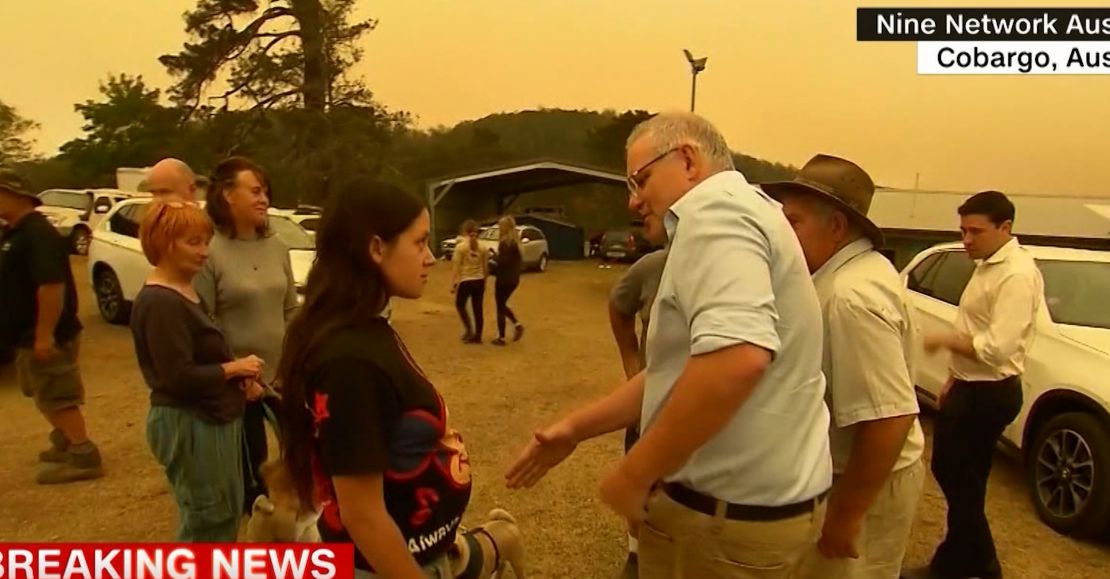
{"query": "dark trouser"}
{"type": "Point", "coordinates": [502, 291]}
{"type": "Point", "coordinates": [970, 422]}
{"type": "Point", "coordinates": [255, 453]}
{"type": "Point", "coordinates": [631, 435]}
{"type": "Point", "coordinates": [475, 291]}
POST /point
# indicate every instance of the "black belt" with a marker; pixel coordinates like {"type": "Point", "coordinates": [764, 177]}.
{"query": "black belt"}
{"type": "Point", "coordinates": [706, 504]}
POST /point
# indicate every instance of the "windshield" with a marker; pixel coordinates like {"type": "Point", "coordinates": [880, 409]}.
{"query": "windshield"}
{"type": "Point", "coordinates": [1074, 292]}
{"type": "Point", "coordinates": [619, 236]}
{"type": "Point", "coordinates": [71, 200]}
{"type": "Point", "coordinates": [293, 235]}
{"type": "Point", "coordinates": [489, 234]}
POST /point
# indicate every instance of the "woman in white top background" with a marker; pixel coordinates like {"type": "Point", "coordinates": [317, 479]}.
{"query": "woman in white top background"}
{"type": "Point", "coordinates": [471, 268]}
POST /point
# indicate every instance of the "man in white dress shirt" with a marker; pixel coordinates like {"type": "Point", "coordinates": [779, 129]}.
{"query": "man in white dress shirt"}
{"type": "Point", "coordinates": [994, 329]}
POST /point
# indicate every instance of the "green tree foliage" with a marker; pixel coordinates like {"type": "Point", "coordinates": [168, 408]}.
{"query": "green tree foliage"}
{"type": "Point", "coordinates": [15, 145]}
{"type": "Point", "coordinates": [129, 127]}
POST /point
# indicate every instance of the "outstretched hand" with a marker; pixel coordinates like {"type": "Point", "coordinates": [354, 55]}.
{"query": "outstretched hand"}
{"type": "Point", "coordinates": [548, 448]}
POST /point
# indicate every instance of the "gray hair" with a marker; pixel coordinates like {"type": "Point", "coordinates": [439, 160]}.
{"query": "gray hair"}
{"type": "Point", "coordinates": [669, 130]}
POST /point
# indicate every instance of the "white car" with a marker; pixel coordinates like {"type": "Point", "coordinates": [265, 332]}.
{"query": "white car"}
{"type": "Point", "coordinates": [1063, 430]}
{"type": "Point", "coordinates": [118, 267]}
{"type": "Point", "coordinates": [76, 212]}
{"type": "Point", "coordinates": [307, 216]}
{"type": "Point", "coordinates": [533, 245]}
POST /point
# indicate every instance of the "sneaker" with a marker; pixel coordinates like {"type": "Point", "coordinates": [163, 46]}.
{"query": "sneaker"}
{"type": "Point", "coordinates": [518, 333]}
{"type": "Point", "coordinates": [78, 466]}
{"type": "Point", "coordinates": [57, 451]}
{"type": "Point", "coordinates": [473, 340]}
{"type": "Point", "coordinates": [498, 342]}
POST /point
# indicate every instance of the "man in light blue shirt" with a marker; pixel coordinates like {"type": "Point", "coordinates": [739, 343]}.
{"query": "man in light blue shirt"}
{"type": "Point", "coordinates": [735, 452]}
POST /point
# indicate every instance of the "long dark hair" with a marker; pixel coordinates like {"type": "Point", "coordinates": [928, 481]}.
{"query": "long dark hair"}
{"type": "Point", "coordinates": [223, 178]}
{"type": "Point", "coordinates": [345, 288]}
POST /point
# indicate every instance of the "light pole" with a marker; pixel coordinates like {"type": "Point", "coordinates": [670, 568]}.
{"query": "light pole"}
{"type": "Point", "coordinates": [696, 65]}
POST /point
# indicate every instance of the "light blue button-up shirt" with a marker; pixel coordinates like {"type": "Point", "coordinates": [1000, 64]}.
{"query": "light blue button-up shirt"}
{"type": "Point", "coordinates": [736, 275]}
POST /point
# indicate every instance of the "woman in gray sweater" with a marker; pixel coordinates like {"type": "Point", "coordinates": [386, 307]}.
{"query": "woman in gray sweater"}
{"type": "Point", "coordinates": [247, 286]}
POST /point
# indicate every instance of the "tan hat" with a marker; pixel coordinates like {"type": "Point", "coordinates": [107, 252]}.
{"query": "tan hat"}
{"type": "Point", "coordinates": [11, 182]}
{"type": "Point", "coordinates": [838, 181]}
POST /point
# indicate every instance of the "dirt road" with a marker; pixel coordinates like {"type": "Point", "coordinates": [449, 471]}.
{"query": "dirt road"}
{"type": "Point", "coordinates": [496, 397]}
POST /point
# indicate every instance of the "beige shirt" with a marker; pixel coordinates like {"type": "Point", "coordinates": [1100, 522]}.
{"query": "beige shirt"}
{"type": "Point", "coordinates": [470, 264]}
{"type": "Point", "coordinates": [869, 349]}
{"type": "Point", "coordinates": [998, 310]}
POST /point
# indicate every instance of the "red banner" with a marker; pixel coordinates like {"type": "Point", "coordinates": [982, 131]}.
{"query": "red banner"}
{"type": "Point", "coordinates": [176, 561]}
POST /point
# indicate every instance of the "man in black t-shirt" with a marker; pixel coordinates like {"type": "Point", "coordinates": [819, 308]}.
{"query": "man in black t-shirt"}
{"type": "Point", "coordinates": [39, 319]}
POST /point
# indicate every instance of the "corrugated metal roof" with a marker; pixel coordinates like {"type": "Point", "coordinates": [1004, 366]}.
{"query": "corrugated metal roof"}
{"type": "Point", "coordinates": [1035, 214]}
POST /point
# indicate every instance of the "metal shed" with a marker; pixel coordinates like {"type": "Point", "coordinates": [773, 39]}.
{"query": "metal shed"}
{"type": "Point", "coordinates": [482, 193]}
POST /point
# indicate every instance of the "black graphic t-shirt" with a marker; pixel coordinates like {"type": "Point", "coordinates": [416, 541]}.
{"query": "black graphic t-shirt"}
{"type": "Point", "coordinates": [376, 412]}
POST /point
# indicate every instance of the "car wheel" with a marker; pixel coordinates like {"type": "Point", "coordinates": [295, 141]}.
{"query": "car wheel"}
{"type": "Point", "coordinates": [79, 240]}
{"type": "Point", "coordinates": [1069, 474]}
{"type": "Point", "coordinates": [541, 265]}
{"type": "Point", "coordinates": [109, 298]}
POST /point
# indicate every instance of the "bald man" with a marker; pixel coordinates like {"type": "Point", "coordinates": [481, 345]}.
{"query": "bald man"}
{"type": "Point", "coordinates": [172, 178]}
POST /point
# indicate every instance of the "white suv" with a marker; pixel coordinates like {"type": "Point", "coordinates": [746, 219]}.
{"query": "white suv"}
{"type": "Point", "coordinates": [118, 267]}
{"type": "Point", "coordinates": [75, 213]}
{"type": "Point", "coordinates": [1063, 430]}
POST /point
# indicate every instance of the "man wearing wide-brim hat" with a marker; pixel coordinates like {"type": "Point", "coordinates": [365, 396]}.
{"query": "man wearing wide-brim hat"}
{"type": "Point", "coordinates": [39, 319]}
{"type": "Point", "coordinates": [876, 439]}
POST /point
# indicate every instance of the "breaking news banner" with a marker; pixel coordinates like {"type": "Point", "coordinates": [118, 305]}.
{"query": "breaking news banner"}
{"type": "Point", "coordinates": [176, 561]}
{"type": "Point", "coordinates": [996, 40]}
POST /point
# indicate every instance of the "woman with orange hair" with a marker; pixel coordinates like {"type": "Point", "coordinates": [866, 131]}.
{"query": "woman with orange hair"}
{"type": "Point", "coordinates": [197, 391]}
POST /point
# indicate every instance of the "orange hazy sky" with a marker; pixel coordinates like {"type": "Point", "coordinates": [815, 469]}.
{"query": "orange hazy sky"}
{"type": "Point", "coordinates": [786, 79]}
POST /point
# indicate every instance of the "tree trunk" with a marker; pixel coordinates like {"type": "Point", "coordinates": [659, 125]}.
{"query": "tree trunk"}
{"type": "Point", "coordinates": [310, 17]}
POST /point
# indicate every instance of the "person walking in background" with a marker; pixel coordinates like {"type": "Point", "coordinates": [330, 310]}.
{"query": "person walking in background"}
{"type": "Point", "coordinates": [876, 439]}
{"type": "Point", "coordinates": [510, 262]}
{"type": "Point", "coordinates": [366, 433]}
{"type": "Point", "coordinates": [470, 270]}
{"type": "Point", "coordinates": [995, 325]}
{"type": "Point", "coordinates": [247, 286]}
{"type": "Point", "coordinates": [197, 390]}
{"type": "Point", "coordinates": [634, 294]}
{"type": "Point", "coordinates": [732, 468]}
{"type": "Point", "coordinates": [38, 317]}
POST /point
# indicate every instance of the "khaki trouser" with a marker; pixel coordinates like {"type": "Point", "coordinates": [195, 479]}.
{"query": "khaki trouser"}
{"type": "Point", "coordinates": [883, 535]}
{"type": "Point", "coordinates": [54, 384]}
{"type": "Point", "coordinates": [680, 543]}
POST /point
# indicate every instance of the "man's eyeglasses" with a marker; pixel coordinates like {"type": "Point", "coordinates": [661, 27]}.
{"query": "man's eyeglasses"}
{"type": "Point", "coordinates": [638, 178]}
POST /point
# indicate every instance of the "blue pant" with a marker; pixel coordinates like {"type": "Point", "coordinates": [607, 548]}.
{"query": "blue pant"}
{"type": "Point", "coordinates": [203, 462]}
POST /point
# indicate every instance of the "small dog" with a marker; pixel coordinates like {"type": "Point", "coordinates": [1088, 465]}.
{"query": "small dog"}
{"type": "Point", "coordinates": [484, 551]}
{"type": "Point", "coordinates": [280, 517]}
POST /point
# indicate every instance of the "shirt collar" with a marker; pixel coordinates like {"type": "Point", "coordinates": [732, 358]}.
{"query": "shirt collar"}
{"type": "Point", "coordinates": [846, 254]}
{"type": "Point", "coordinates": [725, 180]}
{"type": "Point", "coordinates": [1003, 252]}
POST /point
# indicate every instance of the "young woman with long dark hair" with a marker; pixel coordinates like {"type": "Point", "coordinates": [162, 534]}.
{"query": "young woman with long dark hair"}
{"type": "Point", "coordinates": [365, 433]}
